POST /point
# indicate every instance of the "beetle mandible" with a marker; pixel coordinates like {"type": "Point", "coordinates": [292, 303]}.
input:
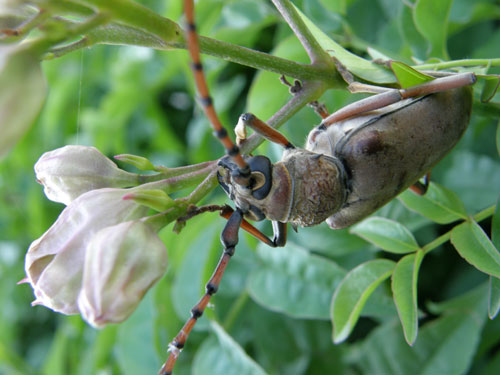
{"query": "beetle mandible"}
{"type": "Point", "coordinates": [354, 162]}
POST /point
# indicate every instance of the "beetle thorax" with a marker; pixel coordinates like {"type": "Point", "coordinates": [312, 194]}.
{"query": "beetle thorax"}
{"type": "Point", "coordinates": [319, 186]}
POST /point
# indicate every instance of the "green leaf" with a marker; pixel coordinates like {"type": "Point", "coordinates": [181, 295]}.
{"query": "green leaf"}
{"type": "Point", "coordinates": [491, 84]}
{"type": "Point", "coordinates": [438, 204]}
{"type": "Point", "coordinates": [135, 345]}
{"type": "Point", "coordinates": [476, 248]}
{"type": "Point", "coordinates": [414, 40]}
{"type": "Point", "coordinates": [493, 297]}
{"type": "Point", "coordinates": [223, 355]}
{"type": "Point", "coordinates": [407, 76]}
{"type": "Point", "coordinates": [446, 345]}
{"type": "Point", "coordinates": [353, 292]}
{"type": "Point", "coordinates": [404, 289]}
{"type": "Point", "coordinates": [387, 234]}
{"type": "Point", "coordinates": [498, 138]}
{"type": "Point", "coordinates": [335, 6]}
{"type": "Point", "coordinates": [431, 19]}
{"type": "Point", "coordinates": [22, 94]}
{"type": "Point", "coordinates": [356, 65]}
{"type": "Point", "coordinates": [292, 281]}
{"type": "Point", "coordinates": [494, 289]}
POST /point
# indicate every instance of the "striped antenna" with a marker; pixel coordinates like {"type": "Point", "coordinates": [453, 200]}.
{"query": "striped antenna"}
{"type": "Point", "coordinates": [201, 84]}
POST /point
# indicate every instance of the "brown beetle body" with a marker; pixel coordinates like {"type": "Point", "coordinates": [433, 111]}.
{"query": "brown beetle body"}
{"type": "Point", "coordinates": [352, 168]}
{"type": "Point", "coordinates": [388, 150]}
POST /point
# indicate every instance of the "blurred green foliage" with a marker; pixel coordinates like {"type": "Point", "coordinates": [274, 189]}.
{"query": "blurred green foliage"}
{"type": "Point", "coordinates": [140, 101]}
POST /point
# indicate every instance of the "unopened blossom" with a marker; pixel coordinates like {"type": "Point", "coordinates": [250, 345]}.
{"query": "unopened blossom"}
{"type": "Point", "coordinates": [121, 264]}
{"type": "Point", "coordinates": [70, 171]}
{"type": "Point", "coordinates": [22, 92]}
{"type": "Point", "coordinates": [54, 262]}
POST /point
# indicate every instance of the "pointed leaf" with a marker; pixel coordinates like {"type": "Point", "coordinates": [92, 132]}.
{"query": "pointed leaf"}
{"type": "Point", "coordinates": [387, 234]}
{"type": "Point", "coordinates": [493, 297]}
{"type": "Point", "coordinates": [407, 76]}
{"type": "Point", "coordinates": [438, 204]}
{"type": "Point", "coordinates": [476, 248]}
{"type": "Point", "coordinates": [404, 289]}
{"type": "Point", "coordinates": [431, 19]}
{"type": "Point", "coordinates": [353, 292]}
{"type": "Point", "coordinates": [446, 345]}
{"type": "Point", "coordinates": [356, 65]}
{"type": "Point", "coordinates": [498, 138]}
{"type": "Point", "coordinates": [294, 282]}
{"type": "Point", "coordinates": [223, 355]}
{"type": "Point", "coordinates": [494, 289]}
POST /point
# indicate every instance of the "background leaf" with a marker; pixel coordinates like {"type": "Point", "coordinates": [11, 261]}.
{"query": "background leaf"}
{"type": "Point", "coordinates": [404, 289]}
{"type": "Point", "coordinates": [476, 248]}
{"type": "Point", "coordinates": [353, 292]}
{"type": "Point", "coordinates": [387, 234]}
{"type": "Point", "coordinates": [294, 282]}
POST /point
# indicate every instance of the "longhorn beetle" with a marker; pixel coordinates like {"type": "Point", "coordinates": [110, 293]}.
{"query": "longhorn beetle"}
{"type": "Point", "coordinates": [354, 162]}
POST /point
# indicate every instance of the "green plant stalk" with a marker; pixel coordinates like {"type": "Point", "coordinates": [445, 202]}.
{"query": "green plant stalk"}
{"type": "Point", "coordinates": [114, 34]}
{"type": "Point", "coordinates": [460, 63]}
{"type": "Point", "coordinates": [136, 15]}
{"type": "Point", "coordinates": [310, 91]}
{"type": "Point", "coordinates": [235, 310]}
{"type": "Point", "coordinates": [317, 54]}
{"type": "Point", "coordinates": [484, 214]}
{"type": "Point", "coordinates": [264, 61]}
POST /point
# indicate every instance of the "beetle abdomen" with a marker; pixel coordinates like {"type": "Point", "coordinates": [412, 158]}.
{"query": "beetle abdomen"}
{"type": "Point", "coordinates": [390, 149]}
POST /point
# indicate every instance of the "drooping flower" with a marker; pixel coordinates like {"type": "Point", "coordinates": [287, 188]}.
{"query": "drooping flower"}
{"type": "Point", "coordinates": [54, 262]}
{"type": "Point", "coordinates": [121, 263]}
{"type": "Point", "coordinates": [69, 171]}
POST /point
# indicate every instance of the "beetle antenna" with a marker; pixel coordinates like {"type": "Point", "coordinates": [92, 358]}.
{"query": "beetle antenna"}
{"type": "Point", "coordinates": [208, 107]}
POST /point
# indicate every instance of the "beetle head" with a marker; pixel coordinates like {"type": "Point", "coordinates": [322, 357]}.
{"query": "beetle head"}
{"type": "Point", "coordinates": [257, 189]}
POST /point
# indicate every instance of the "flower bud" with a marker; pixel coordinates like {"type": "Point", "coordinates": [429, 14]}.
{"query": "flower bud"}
{"type": "Point", "coordinates": [22, 93]}
{"type": "Point", "coordinates": [122, 262]}
{"type": "Point", "coordinates": [54, 262]}
{"type": "Point", "coordinates": [70, 171]}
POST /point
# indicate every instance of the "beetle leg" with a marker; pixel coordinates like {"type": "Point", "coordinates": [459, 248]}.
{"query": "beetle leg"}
{"type": "Point", "coordinates": [393, 96]}
{"type": "Point", "coordinates": [229, 239]}
{"type": "Point", "coordinates": [421, 188]}
{"type": "Point", "coordinates": [259, 126]}
{"type": "Point", "coordinates": [279, 229]}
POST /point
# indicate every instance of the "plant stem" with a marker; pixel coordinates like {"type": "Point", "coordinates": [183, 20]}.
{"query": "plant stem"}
{"type": "Point", "coordinates": [484, 214]}
{"type": "Point", "coordinates": [235, 310]}
{"type": "Point", "coordinates": [264, 61]}
{"type": "Point", "coordinates": [310, 91]}
{"type": "Point", "coordinates": [317, 54]}
{"type": "Point", "coordinates": [136, 15]}
{"type": "Point", "coordinates": [460, 63]}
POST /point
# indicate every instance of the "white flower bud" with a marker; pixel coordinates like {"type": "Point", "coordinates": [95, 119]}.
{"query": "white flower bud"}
{"type": "Point", "coordinates": [54, 262]}
{"type": "Point", "coordinates": [122, 262]}
{"type": "Point", "coordinates": [70, 171]}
